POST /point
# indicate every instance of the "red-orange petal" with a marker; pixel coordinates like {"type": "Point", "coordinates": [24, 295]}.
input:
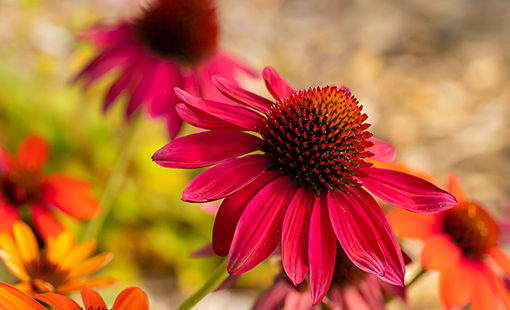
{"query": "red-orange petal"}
{"type": "Point", "coordinates": [440, 253]}
{"type": "Point", "coordinates": [454, 187]}
{"type": "Point", "coordinates": [412, 225]}
{"type": "Point", "coordinates": [45, 222]}
{"type": "Point", "coordinates": [455, 286]}
{"type": "Point", "coordinates": [91, 299]}
{"type": "Point", "coordinates": [33, 152]}
{"type": "Point", "coordinates": [92, 282]}
{"type": "Point", "coordinates": [501, 259]}
{"type": "Point", "coordinates": [58, 302]}
{"type": "Point", "coordinates": [70, 195]}
{"type": "Point", "coordinates": [8, 215]}
{"type": "Point", "coordinates": [483, 296]}
{"type": "Point", "coordinates": [13, 299]}
{"type": "Point", "coordinates": [131, 298]}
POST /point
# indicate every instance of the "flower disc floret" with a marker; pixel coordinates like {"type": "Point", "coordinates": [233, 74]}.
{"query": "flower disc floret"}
{"type": "Point", "coordinates": [320, 137]}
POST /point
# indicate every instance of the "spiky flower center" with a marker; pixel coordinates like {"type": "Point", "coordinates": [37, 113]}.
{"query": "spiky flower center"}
{"type": "Point", "coordinates": [186, 31]}
{"type": "Point", "coordinates": [346, 273]}
{"type": "Point", "coordinates": [46, 275]}
{"type": "Point", "coordinates": [320, 137]}
{"type": "Point", "coordinates": [20, 187]}
{"type": "Point", "coordinates": [471, 228]}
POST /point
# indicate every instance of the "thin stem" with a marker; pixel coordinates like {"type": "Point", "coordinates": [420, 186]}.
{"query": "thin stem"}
{"type": "Point", "coordinates": [416, 277]}
{"type": "Point", "coordinates": [219, 275]}
{"type": "Point", "coordinates": [116, 181]}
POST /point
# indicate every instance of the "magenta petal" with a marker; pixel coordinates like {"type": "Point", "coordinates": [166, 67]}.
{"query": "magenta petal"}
{"type": "Point", "coordinates": [383, 151]}
{"type": "Point", "coordinates": [160, 96]}
{"type": "Point", "coordinates": [198, 118]}
{"type": "Point", "coordinates": [365, 235]}
{"type": "Point", "coordinates": [321, 250]}
{"type": "Point", "coordinates": [104, 36]}
{"type": "Point", "coordinates": [146, 75]}
{"type": "Point", "coordinates": [240, 95]}
{"type": "Point", "coordinates": [296, 227]}
{"type": "Point", "coordinates": [259, 228]}
{"type": "Point", "coordinates": [234, 115]}
{"type": "Point", "coordinates": [225, 178]}
{"type": "Point", "coordinates": [206, 148]}
{"type": "Point", "coordinates": [231, 210]}
{"type": "Point", "coordinates": [173, 122]}
{"type": "Point", "coordinates": [118, 87]}
{"type": "Point", "coordinates": [276, 85]}
{"type": "Point", "coordinates": [407, 191]}
{"type": "Point", "coordinates": [274, 297]}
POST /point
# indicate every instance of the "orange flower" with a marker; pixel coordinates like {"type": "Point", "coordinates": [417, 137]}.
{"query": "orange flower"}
{"type": "Point", "coordinates": [458, 243]}
{"type": "Point", "coordinates": [22, 183]}
{"type": "Point", "coordinates": [59, 269]}
{"type": "Point", "coordinates": [13, 299]}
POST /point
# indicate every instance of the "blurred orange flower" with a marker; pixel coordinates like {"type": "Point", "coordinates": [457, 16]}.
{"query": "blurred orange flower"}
{"type": "Point", "coordinates": [58, 269]}
{"type": "Point", "coordinates": [458, 242]}
{"type": "Point", "coordinates": [13, 299]}
{"type": "Point", "coordinates": [22, 183]}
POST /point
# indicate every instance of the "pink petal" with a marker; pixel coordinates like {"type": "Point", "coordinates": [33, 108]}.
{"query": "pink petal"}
{"type": "Point", "coordinates": [296, 227]}
{"type": "Point", "coordinates": [242, 96]}
{"type": "Point", "coordinates": [383, 151]}
{"type": "Point", "coordinates": [234, 115]}
{"type": "Point", "coordinates": [161, 97]}
{"type": "Point", "coordinates": [226, 59]}
{"type": "Point", "coordinates": [296, 300]}
{"type": "Point", "coordinates": [365, 235]}
{"type": "Point", "coordinates": [321, 250]}
{"type": "Point", "coordinates": [225, 178]}
{"type": "Point", "coordinates": [107, 35]}
{"type": "Point", "coordinates": [372, 294]}
{"type": "Point", "coordinates": [231, 210]}
{"type": "Point", "coordinates": [276, 85]}
{"type": "Point", "coordinates": [146, 75]}
{"type": "Point", "coordinates": [198, 118]}
{"type": "Point", "coordinates": [173, 123]}
{"type": "Point", "coordinates": [258, 230]}
{"type": "Point", "coordinates": [121, 84]}
{"type": "Point", "coordinates": [206, 148]}
{"type": "Point", "coordinates": [274, 297]}
{"type": "Point", "coordinates": [8, 215]}
{"type": "Point", "coordinates": [407, 191]}
{"type": "Point", "coordinates": [354, 300]}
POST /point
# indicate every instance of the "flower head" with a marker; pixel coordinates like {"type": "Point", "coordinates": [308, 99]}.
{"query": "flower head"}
{"type": "Point", "coordinates": [13, 299]}
{"type": "Point", "coordinates": [305, 186]}
{"type": "Point", "coordinates": [22, 182]}
{"type": "Point", "coordinates": [458, 243]}
{"type": "Point", "coordinates": [58, 269]}
{"type": "Point", "coordinates": [172, 43]}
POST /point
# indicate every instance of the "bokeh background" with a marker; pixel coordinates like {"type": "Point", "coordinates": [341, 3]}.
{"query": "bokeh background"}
{"type": "Point", "coordinates": [433, 76]}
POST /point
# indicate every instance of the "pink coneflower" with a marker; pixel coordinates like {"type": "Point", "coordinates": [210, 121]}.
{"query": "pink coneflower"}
{"type": "Point", "coordinates": [306, 182]}
{"type": "Point", "coordinates": [173, 43]}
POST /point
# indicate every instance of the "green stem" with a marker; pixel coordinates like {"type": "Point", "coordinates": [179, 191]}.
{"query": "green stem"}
{"type": "Point", "coordinates": [219, 275]}
{"type": "Point", "coordinates": [416, 277]}
{"type": "Point", "coordinates": [116, 181]}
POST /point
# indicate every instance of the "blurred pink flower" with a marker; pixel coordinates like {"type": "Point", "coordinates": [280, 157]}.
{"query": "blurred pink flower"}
{"type": "Point", "coordinates": [305, 186]}
{"type": "Point", "coordinates": [172, 44]}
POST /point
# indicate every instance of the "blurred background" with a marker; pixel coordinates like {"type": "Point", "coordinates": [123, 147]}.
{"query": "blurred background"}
{"type": "Point", "coordinates": [433, 77]}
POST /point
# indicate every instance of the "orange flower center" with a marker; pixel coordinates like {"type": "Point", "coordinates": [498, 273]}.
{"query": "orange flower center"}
{"type": "Point", "coordinates": [20, 187]}
{"type": "Point", "coordinates": [46, 275]}
{"type": "Point", "coordinates": [346, 273]}
{"type": "Point", "coordinates": [186, 31]}
{"type": "Point", "coordinates": [471, 228]}
{"type": "Point", "coordinates": [319, 136]}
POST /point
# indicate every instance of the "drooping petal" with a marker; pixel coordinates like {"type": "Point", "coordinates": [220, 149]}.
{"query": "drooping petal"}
{"type": "Point", "coordinates": [454, 187]}
{"type": "Point", "coordinates": [146, 68]}
{"type": "Point", "coordinates": [13, 299]}
{"type": "Point", "coordinates": [131, 298]}
{"type": "Point", "coordinates": [26, 243]}
{"type": "Point", "coordinates": [499, 286]}
{"type": "Point", "coordinates": [91, 299]}
{"type": "Point", "coordinates": [12, 258]}
{"type": "Point", "coordinates": [455, 286]}
{"type": "Point", "coordinates": [321, 250]}
{"type": "Point", "coordinates": [70, 195]}
{"type": "Point", "coordinates": [274, 297]}
{"type": "Point", "coordinates": [407, 191]}
{"type": "Point", "coordinates": [258, 230]}
{"type": "Point", "coordinates": [276, 85]}
{"type": "Point", "coordinates": [104, 36]}
{"type": "Point", "coordinates": [90, 265]}
{"type": "Point", "coordinates": [199, 118]}
{"type": "Point", "coordinates": [92, 282]}
{"type": "Point", "coordinates": [440, 253]}
{"type": "Point", "coordinates": [121, 84]}
{"type": "Point", "coordinates": [483, 296]}
{"type": "Point", "coordinates": [59, 246]}
{"type": "Point", "coordinates": [501, 258]}
{"type": "Point", "coordinates": [371, 292]}
{"type": "Point", "coordinates": [45, 222]}
{"type": "Point", "coordinates": [33, 152]}
{"type": "Point", "coordinates": [161, 97]}
{"type": "Point", "coordinates": [8, 215]}
{"type": "Point", "coordinates": [225, 178]}
{"type": "Point", "coordinates": [296, 300]}
{"type": "Point", "coordinates": [354, 299]}
{"type": "Point", "coordinates": [242, 96]}
{"type": "Point", "coordinates": [365, 235]}
{"type": "Point", "coordinates": [234, 115]}
{"type": "Point", "coordinates": [231, 210]}
{"type": "Point", "coordinates": [383, 151]}
{"type": "Point", "coordinates": [205, 149]}
{"type": "Point", "coordinates": [295, 231]}
{"type": "Point", "coordinates": [412, 225]}
{"type": "Point", "coordinates": [78, 254]}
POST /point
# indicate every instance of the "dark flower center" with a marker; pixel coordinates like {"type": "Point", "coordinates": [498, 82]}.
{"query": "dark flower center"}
{"type": "Point", "coordinates": [320, 137]}
{"type": "Point", "coordinates": [346, 273]}
{"type": "Point", "coordinates": [48, 272]}
{"type": "Point", "coordinates": [20, 187]}
{"type": "Point", "coordinates": [186, 31]}
{"type": "Point", "coordinates": [471, 228]}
